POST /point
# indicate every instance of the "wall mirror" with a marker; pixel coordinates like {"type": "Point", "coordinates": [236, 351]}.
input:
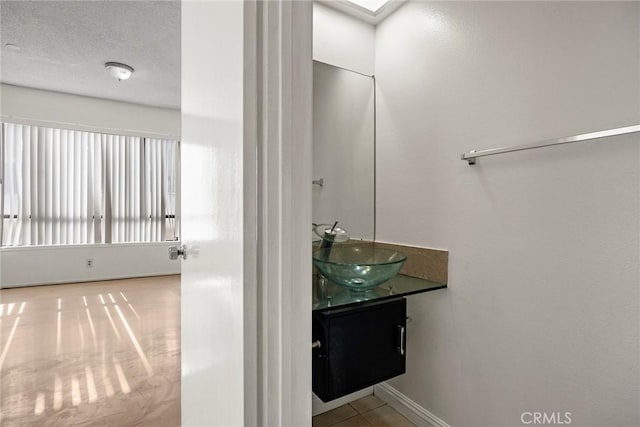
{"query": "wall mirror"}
{"type": "Point", "coordinates": [344, 150]}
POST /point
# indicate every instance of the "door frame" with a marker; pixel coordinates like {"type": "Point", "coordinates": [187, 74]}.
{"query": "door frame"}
{"type": "Point", "coordinates": [284, 88]}
{"type": "Point", "coordinates": [274, 276]}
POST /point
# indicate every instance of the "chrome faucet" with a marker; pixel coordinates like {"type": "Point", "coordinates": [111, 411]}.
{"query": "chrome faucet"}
{"type": "Point", "coordinates": [329, 236]}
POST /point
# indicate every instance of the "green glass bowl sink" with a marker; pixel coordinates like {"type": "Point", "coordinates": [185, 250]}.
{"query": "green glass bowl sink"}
{"type": "Point", "coordinates": [358, 268]}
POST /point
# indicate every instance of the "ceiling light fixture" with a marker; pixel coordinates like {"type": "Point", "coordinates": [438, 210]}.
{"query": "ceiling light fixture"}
{"type": "Point", "coordinates": [12, 46]}
{"type": "Point", "coordinates": [118, 70]}
{"type": "Point", "coordinates": [373, 6]}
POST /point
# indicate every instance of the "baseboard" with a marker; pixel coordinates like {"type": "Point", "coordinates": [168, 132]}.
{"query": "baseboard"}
{"type": "Point", "coordinates": [84, 280]}
{"type": "Point", "coordinates": [407, 407]}
{"type": "Point", "coordinates": [318, 406]}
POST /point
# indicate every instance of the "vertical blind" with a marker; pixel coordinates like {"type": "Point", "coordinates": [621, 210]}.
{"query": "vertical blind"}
{"type": "Point", "coordinates": [73, 187]}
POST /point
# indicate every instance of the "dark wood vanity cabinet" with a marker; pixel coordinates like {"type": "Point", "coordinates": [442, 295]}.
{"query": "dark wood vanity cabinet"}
{"type": "Point", "coordinates": [359, 346]}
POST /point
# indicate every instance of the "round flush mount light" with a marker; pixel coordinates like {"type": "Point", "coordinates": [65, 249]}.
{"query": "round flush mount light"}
{"type": "Point", "coordinates": [119, 71]}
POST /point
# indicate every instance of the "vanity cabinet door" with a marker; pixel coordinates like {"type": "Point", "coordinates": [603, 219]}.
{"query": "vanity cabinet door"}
{"type": "Point", "coordinates": [360, 346]}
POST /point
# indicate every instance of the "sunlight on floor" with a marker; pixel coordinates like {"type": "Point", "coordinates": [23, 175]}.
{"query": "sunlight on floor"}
{"type": "Point", "coordinates": [101, 352]}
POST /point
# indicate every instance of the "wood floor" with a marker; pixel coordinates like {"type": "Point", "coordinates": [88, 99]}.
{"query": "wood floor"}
{"type": "Point", "coordinates": [100, 354]}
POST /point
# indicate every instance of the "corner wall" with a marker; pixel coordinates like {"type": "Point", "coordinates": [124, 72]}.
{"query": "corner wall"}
{"type": "Point", "coordinates": [541, 313]}
{"type": "Point", "coordinates": [36, 265]}
{"type": "Point", "coordinates": [343, 41]}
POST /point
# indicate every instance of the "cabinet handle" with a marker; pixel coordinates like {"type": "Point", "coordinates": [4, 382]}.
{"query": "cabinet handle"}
{"type": "Point", "coordinates": [316, 344]}
{"type": "Point", "coordinates": [402, 340]}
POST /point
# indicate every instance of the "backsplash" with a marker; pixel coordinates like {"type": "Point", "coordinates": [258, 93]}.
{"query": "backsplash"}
{"type": "Point", "coordinates": [424, 263]}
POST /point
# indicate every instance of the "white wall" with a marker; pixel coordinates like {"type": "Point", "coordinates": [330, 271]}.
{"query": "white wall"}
{"type": "Point", "coordinates": [46, 108]}
{"type": "Point", "coordinates": [541, 313]}
{"type": "Point", "coordinates": [25, 266]}
{"type": "Point", "coordinates": [343, 41]}
{"type": "Point", "coordinates": [51, 264]}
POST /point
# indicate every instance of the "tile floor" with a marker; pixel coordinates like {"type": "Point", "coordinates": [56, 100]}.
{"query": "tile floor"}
{"type": "Point", "coordinates": [369, 411]}
{"type": "Point", "coordinates": [101, 354]}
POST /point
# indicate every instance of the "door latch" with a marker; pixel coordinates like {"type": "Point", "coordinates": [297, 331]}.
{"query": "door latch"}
{"type": "Point", "coordinates": [177, 251]}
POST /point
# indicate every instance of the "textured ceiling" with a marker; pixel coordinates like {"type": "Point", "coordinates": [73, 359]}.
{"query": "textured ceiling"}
{"type": "Point", "coordinates": [64, 45]}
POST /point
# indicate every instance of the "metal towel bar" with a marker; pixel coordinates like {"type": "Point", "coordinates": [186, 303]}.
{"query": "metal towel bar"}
{"type": "Point", "coordinates": [472, 155]}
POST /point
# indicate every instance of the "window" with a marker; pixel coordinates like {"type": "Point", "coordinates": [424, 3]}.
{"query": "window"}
{"type": "Point", "coordinates": [63, 187]}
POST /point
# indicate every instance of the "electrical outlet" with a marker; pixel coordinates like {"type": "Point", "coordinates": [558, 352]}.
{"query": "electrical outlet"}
{"type": "Point", "coordinates": [90, 263]}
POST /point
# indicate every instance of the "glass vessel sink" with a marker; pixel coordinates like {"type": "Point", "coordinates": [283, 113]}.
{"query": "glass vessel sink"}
{"type": "Point", "coordinates": [358, 268]}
